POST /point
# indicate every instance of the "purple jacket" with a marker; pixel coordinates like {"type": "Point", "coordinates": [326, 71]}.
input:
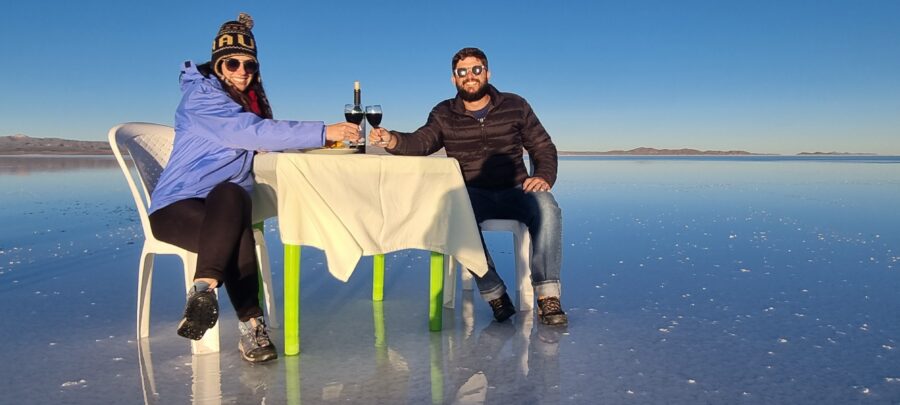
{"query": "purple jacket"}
{"type": "Point", "coordinates": [215, 140]}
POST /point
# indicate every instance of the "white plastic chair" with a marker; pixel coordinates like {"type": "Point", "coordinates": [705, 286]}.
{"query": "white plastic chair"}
{"type": "Point", "coordinates": [522, 245]}
{"type": "Point", "coordinates": [149, 146]}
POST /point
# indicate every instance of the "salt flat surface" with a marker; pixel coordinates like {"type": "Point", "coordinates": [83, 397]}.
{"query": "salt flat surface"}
{"type": "Point", "coordinates": [686, 281]}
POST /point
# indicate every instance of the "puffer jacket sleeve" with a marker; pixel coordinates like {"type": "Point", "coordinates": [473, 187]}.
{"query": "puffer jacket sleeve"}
{"type": "Point", "coordinates": [540, 147]}
{"type": "Point", "coordinates": [209, 113]}
{"type": "Point", "coordinates": [423, 141]}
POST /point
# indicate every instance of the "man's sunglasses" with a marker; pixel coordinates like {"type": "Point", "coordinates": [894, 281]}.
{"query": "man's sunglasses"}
{"type": "Point", "coordinates": [250, 66]}
{"type": "Point", "coordinates": [463, 72]}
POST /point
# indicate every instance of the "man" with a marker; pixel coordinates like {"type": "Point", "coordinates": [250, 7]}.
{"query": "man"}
{"type": "Point", "coordinates": [486, 130]}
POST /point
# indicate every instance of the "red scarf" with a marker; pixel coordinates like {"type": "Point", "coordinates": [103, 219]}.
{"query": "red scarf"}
{"type": "Point", "coordinates": [254, 103]}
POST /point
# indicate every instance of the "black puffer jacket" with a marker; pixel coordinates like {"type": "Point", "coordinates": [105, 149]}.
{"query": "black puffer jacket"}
{"type": "Point", "coordinates": [489, 152]}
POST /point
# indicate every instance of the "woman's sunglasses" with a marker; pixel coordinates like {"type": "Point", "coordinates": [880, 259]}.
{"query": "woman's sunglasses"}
{"type": "Point", "coordinates": [250, 66]}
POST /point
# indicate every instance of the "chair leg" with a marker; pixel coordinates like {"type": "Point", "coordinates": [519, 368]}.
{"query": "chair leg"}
{"type": "Point", "coordinates": [145, 282]}
{"type": "Point", "coordinates": [210, 341]}
{"type": "Point", "coordinates": [449, 282]}
{"type": "Point", "coordinates": [265, 272]}
{"type": "Point", "coordinates": [522, 240]}
{"type": "Point", "coordinates": [466, 278]}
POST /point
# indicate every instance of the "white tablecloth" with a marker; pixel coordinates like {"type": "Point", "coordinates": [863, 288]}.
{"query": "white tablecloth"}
{"type": "Point", "coordinates": [355, 205]}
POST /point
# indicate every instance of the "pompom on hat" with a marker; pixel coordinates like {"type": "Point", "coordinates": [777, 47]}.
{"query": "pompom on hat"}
{"type": "Point", "coordinates": [234, 38]}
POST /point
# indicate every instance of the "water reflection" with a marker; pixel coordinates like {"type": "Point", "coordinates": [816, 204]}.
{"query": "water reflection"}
{"type": "Point", "coordinates": [24, 165]}
{"type": "Point", "coordinates": [510, 362]}
{"type": "Point", "coordinates": [507, 362]}
{"type": "Point", "coordinates": [206, 384]}
{"type": "Point", "coordinates": [148, 382]}
{"type": "Point", "coordinates": [206, 377]}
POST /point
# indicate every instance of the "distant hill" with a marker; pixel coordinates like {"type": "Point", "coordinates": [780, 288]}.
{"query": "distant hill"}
{"type": "Point", "coordinates": [25, 145]}
{"type": "Point", "coordinates": [644, 151]}
{"type": "Point", "coordinates": [834, 153]}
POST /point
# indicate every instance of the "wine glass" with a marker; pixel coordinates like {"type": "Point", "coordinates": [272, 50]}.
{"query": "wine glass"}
{"type": "Point", "coordinates": [373, 115]}
{"type": "Point", "coordinates": [353, 113]}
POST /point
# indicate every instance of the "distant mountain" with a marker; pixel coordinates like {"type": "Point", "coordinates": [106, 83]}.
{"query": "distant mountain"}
{"type": "Point", "coordinates": [25, 145]}
{"type": "Point", "coordinates": [644, 151]}
{"type": "Point", "coordinates": [834, 153]}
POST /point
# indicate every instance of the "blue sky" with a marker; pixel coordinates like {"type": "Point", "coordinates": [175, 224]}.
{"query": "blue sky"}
{"type": "Point", "coordinates": [761, 76]}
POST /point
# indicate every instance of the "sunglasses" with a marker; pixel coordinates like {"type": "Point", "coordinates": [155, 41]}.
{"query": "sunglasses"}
{"type": "Point", "coordinates": [250, 66]}
{"type": "Point", "coordinates": [463, 72]}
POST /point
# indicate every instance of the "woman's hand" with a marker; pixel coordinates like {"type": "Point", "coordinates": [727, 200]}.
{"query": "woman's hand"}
{"type": "Point", "coordinates": [344, 131]}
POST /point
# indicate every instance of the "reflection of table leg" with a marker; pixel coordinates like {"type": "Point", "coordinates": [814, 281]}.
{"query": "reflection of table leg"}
{"type": "Point", "coordinates": [381, 354]}
{"type": "Point", "coordinates": [292, 380]}
{"type": "Point", "coordinates": [291, 300]}
{"type": "Point", "coordinates": [378, 278]}
{"type": "Point", "coordinates": [437, 369]}
{"type": "Point", "coordinates": [436, 292]}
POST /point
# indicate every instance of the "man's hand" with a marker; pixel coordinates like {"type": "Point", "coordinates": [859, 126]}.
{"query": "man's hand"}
{"type": "Point", "coordinates": [342, 131]}
{"type": "Point", "coordinates": [533, 184]}
{"type": "Point", "coordinates": [382, 138]}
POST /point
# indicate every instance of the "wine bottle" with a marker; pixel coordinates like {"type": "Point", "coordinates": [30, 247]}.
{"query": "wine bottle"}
{"type": "Point", "coordinates": [358, 116]}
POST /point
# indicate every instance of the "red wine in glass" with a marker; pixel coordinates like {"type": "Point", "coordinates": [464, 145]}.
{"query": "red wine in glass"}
{"type": "Point", "coordinates": [373, 115]}
{"type": "Point", "coordinates": [354, 114]}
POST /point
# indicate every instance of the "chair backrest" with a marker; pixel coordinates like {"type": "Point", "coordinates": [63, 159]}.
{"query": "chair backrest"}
{"type": "Point", "coordinates": [149, 146]}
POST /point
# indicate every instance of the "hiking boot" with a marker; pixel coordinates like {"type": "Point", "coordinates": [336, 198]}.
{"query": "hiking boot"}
{"type": "Point", "coordinates": [255, 345]}
{"type": "Point", "coordinates": [200, 313]}
{"type": "Point", "coordinates": [551, 313]}
{"type": "Point", "coordinates": [503, 308]}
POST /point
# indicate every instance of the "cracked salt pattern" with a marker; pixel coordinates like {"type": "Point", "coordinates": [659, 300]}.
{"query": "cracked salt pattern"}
{"type": "Point", "coordinates": [686, 280]}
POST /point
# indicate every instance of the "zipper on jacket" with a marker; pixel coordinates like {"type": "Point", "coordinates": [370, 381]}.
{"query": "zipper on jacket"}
{"type": "Point", "coordinates": [483, 138]}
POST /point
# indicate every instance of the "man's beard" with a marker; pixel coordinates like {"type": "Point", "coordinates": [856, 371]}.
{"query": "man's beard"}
{"type": "Point", "coordinates": [477, 95]}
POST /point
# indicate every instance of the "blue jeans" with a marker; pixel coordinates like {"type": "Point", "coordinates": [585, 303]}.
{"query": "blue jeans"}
{"type": "Point", "coordinates": [541, 214]}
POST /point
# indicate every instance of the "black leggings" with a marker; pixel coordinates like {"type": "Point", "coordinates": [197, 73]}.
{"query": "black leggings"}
{"type": "Point", "coordinates": [218, 229]}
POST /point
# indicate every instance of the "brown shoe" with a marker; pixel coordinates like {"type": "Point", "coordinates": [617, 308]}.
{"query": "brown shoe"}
{"type": "Point", "coordinates": [550, 311]}
{"type": "Point", "coordinates": [503, 308]}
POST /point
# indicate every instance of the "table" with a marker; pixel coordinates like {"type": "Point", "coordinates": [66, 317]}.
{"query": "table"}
{"type": "Point", "coordinates": [355, 205]}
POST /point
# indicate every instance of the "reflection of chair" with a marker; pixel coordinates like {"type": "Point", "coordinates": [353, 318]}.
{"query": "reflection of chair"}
{"type": "Point", "coordinates": [206, 381]}
{"type": "Point", "coordinates": [522, 245]}
{"type": "Point", "coordinates": [149, 146]}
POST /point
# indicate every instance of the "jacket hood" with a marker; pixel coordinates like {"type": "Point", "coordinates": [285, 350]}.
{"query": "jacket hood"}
{"type": "Point", "coordinates": [192, 74]}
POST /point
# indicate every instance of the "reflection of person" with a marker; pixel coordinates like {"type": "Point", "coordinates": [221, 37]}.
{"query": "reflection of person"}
{"type": "Point", "coordinates": [481, 363]}
{"type": "Point", "coordinates": [202, 202]}
{"type": "Point", "coordinates": [486, 130]}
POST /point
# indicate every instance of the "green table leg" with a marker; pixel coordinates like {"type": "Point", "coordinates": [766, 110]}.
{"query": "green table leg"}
{"type": "Point", "coordinates": [291, 300]}
{"type": "Point", "coordinates": [436, 292]}
{"type": "Point", "coordinates": [378, 278]}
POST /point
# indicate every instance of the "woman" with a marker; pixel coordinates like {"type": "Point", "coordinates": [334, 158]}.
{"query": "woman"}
{"type": "Point", "coordinates": [202, 202]}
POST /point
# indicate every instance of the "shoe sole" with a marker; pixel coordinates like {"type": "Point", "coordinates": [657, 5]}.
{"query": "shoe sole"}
{"type": "Point", "coordinates": [505, 315]}
{"type": "Point", "coordinates": [556, 319]}
{"type": "Point", "coordinates": [200, 314]}
{"type": "Point", "coordinates": [266, 357]}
